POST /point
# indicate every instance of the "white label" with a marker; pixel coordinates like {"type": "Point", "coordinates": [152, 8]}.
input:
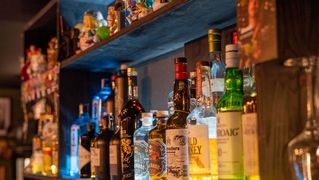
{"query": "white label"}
{"type": "Point", "coordinates": [84, 156]}
{"type": "Point", "coordinates": [177, 154]}
{"type": "Point", "coordinates": [198, 149]}
{"type": "Point", "coordinates": [230, 144]}
{"type": "Point", "coordinates": [218, 85]}
{"type": "Point", "coordinates": [250, 139]}
{"type": "Point", "coordinates": [95, 157]}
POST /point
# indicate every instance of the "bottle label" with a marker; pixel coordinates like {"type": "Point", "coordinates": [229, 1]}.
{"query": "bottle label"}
{"type": "Point", "coordinates": [198, 141]}
{"type": "Point", "coordinates": [127, 156]}
{"type": "Point", "coordinates": [84, 156]}
{"type": "Point", "coordinates": [95, 157]}
{"type": "Point", "coordinates": [140, 159]}
{"type": "Point", "coordinates": [230, 144]}
{"type": "Point", "coordinates": [217, 85]}
{"type": "Point", "coordinates": [157, 157]}
{"type": "Point", "coordinates": [114, 161]}
{"type": "Point", "coordinates": [74, 140]}
{"type": "Point", "coordinates": [177, 154]}
{"type": "Point", "coordinates": [250, 139]}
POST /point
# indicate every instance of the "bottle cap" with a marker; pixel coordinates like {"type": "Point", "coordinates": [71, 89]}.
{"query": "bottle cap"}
{"type": "Point", "coordinates": [232, 59]}
{"type": "Point", "coordinates": [181, 72]}
{"type": "Point", "coordinates": [162, 114]}
{"type": "Point", "coordinates": [214, 40]}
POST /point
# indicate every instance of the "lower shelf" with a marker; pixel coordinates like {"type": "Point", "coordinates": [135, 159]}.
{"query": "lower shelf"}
{"type": "Point", "coordinates": [28, 176]}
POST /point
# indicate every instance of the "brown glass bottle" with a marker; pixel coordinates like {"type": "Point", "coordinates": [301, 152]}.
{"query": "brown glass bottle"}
{"type": "Point", "coordinates": [129, 116]}
{"type": "Point", "coordinates": [102, 166]}
{"type": "Point", "coordinates": [176, 128]}
{"type": "Point", "coordinates": [84, 151]}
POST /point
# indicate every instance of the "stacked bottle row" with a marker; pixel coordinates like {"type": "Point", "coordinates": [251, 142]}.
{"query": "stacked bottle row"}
{"type": "Point", "coordinates": [214, 137]}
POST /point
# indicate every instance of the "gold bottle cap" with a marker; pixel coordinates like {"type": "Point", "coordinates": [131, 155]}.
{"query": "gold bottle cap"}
{"type": "Point", "coordinates": [214, 40]}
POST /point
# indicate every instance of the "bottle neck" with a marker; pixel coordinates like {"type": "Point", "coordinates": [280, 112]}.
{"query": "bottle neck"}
{"type": "Point", "coordinates": [233, 80]}
{"type": "Point", "coordinates": [203, 85]}
{"type": "Point", "coordinates": [181, 95]}
{"type": "Point", "coordinates": [132, 87]}
{"type": "Point", "coordinates": [311, 113]}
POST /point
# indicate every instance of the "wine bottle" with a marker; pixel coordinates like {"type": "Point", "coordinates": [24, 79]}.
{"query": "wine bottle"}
{"type": "Point", "coordinates": [229, 128]}
{"type": "Point", "coordinates": [176, 129]}
{"type": "Point", "coordinates": [130, 114]}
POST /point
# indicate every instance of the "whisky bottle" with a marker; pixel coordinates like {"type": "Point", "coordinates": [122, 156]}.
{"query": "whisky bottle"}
{"type": "Point", "coordinates": [157, 148]}
{"type": "Point", "coordinates": [249, 125]}
{"type": "Point", "coordinates": [130, 114]}
{"type": "Point", "coordinates": [217, 66]}
{"type": "Point", "coordinates": [141, 147]}
{"type": "Point", "coordinates": [78, 128]}
{"type": "Point", "coordinates": [176, 129]}
{"type": "Point", "coordinates": [229, 129]}
{"type": "Point", "coordinates": [102, 166]}
{"type": "Point", "coordinates": [84, 151]}
{"type": "Point", "coordinates": [202, 129]}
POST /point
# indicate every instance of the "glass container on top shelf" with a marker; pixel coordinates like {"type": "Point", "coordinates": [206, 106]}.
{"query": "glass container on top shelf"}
{"type": "Point", "coordinates": [304, 148]}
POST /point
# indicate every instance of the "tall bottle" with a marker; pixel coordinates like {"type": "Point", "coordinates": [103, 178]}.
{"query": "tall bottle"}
{"type": "Point", "coordinates": [84, 151]}
{"type": "Point", "coordinates": [121, 89]}
{"type": "Point", "coordinates": [176, 129]}
{"type": "Point", "coordinates": [98, 103]}
{"type": "Point", "coordinates": [78, 128]}
{"type": "Point", "coordinates": [249, 125]}
{"type": "Point", "coordinates": [218, 66]}
{"type": "Point", "coordinates": [157, 148]}
{"type": "Point", "coordinates": [129, 116]}
{"type": "Point", "coordinates": [141, 147]}
{"type": "Point", "coordinates": [102, 166]}
{"type": "Point", "coordinates": [229, 128]}
{"type": "Point", "coordinates": [202, 128]}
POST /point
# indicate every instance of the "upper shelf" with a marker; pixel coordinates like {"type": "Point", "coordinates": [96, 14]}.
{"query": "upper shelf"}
{"type": "Point", "coordinates": [161, 32]}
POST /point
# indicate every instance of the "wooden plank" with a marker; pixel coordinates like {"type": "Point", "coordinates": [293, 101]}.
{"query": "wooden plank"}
{"type": "Point", "coordinates": [161, 32]}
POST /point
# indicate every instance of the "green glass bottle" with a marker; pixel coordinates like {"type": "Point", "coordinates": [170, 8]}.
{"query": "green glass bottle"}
{"type": "Point", "coordinates": [229, 130]}
{"type": "Point", "coordinates": [176, 129]}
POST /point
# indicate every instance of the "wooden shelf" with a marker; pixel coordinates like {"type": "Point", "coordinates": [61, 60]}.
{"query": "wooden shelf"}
{"type": "Point", "coordinates": [161, 32]}
{"type": "Point", "coordinates": [28, 176]}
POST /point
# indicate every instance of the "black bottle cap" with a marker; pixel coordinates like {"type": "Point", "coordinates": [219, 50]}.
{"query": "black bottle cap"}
{"type": "Point", "coordinates": [180, 60]}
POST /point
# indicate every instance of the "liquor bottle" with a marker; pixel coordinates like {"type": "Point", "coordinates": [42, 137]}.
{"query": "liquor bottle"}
{"type": "Point", "coordinates": [130, 114]}
{"type": "Point", "coordinates": [229, 130]}
{"type": "Point", "coordinates": [176, 128]}
{"type": "Point", "coordinates": [192, 90]}
{"type": "Point", "coordinates": [218, 66]}
{"type": "Point", "coordinates": [141, 147]}
{"type": "Point", "coordinates": [157, 148]}
{"type": "Point", "coordinates": [121, 89]}
{"type": "Point", "coordinates": [98, 103]}
{"type": "Point", "coordinates": [115, 157]}
{"type": "Point", "coordinates": [102, 166]}
{"type": "Point", "coordinates": [78, 128]}
{"type": "Point", "coordinates": [84, 151]}
{"type": "Point", "coordinates": [249, 125]}
{"type": "Point", "coordinates": [109, 103]}
{"type": "Point", "coordinates": [202, 128]}
{"type": "Point", "coordinates": [37, 156]}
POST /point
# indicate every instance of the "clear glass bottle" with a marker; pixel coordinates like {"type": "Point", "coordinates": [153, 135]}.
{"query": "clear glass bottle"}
{"type": "Point", "coordinates": [176, 128]}
{"type": "Point", "coordinates": [141, 159]}
{"type": "Point", "coordinates": [229, 130]}
{"type": "Point", "coordinates": [78, 128]}
{"type": "Point", "coordinates": [130, 115]}
{"type": "Point", "coordinates": [304, 148]}
{"type": "Point", "coordinates": [193, 100]}
{"type": "Point", "coordinates": [157, 148]}
{"type": "Point", "coordinates": [250, 126]}
{"type": "Point", "coordinates": [202, 129]}
{"type": "Point", "coordinates": [218, 66]}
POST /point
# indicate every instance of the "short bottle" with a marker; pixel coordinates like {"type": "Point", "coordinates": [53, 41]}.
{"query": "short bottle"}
{"type": "Point", "coordinates": [102, 166]}
{"type": "Point", "coordinates": [84, 151]}
{"type": "Point", "coordinates": [141, 147]}
{"type": "Point", "coordinates": [157, 148]}
{"type": "Point", "coordinates": [176, 128]}
{"type": "Point", "coordinates": [229, 127]}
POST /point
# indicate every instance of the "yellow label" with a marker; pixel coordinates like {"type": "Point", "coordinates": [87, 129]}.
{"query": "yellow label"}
{"type": "Point", "coordinates": [230, 144]}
